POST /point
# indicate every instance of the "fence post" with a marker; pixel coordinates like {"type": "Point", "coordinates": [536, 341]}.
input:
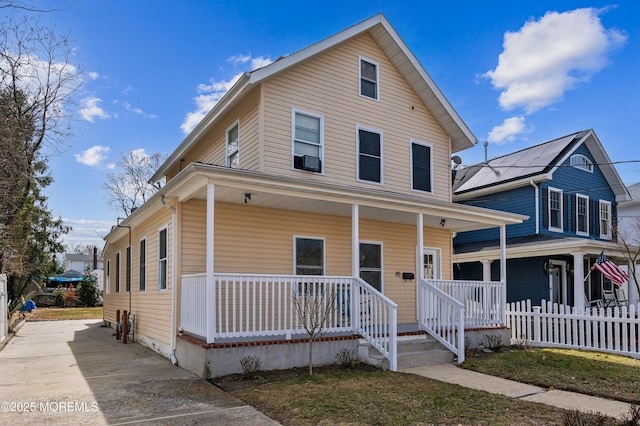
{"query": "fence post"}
{"type": "Point", "coordinates": [535, 317]}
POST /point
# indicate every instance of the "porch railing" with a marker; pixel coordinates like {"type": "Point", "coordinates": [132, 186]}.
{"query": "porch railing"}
{"type": "Point", "coordinates": [442, 316]}
{"type": "Point", "coordinates": [253, 305]}
{"type": "Point", "coordinates": [484, 302]}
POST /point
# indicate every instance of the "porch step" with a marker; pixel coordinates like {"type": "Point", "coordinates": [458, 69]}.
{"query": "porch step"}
{"type": "Point", "coordinates": [413, 351]}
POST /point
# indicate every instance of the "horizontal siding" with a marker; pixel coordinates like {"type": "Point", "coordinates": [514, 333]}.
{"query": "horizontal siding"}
{"type": "Point", "coordinates": [328, 85]}
{"type": "Point", "coordinates": [251, 239]}
{"type": "Point", "coordinates": [211, 148]}
{"type": "Point", "coordinates": [152, 308]}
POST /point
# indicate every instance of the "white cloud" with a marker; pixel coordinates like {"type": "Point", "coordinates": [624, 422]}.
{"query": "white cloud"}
{"type": "Point", "coordinates": [508, 130]}
{"type": "Point", "coordinates": [547, 57]}
{"type": "Point", "coordinates": [93, 75]}
{"type": "Point", "coordinates": [93, 156]}
{"type": "Point", "coordinates": [137, 110]}
{"type": "Point", "coordinates": [210, 94]}
{"type": "Point", "coordinates": [90, 110]}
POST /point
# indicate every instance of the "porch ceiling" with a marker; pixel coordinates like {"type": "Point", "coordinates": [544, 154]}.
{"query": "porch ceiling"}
{"type": "Point", "coordinates": [310, 196]}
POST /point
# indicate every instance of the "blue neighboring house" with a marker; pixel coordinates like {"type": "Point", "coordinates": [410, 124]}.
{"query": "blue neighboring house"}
{"type": "Point", "coordinates": [570, 190]}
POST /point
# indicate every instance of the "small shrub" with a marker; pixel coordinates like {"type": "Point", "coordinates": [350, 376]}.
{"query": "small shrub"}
{"type": "Point", "coordinates": [250, 366]}
{"type": "Point", "coordinates": [492, 341]}
{"type": "Point", "coordinates": [58, 296]}
{"type": "Point", "coordinates": [70, 296]}
{"type": "Point", "coordinates": [522, 343]}
{"type": "Point", "coordinates": [578, 418]}
{"type": "Point", "coordinates": [347, 358]}
{"type": "Point", "coordinates": [88, 292]}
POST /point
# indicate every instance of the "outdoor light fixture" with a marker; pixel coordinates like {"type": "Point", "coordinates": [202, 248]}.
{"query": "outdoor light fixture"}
{"type": "Point", "coordinates": [442, 222]}
{"type": "Point", "coordinates": [247, 197]}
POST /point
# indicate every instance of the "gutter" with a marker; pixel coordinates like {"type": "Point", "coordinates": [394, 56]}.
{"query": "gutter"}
{"type": "Point", "coordinates": [172, 356]}
{"type": "Point", "coordinates": [537, 193]}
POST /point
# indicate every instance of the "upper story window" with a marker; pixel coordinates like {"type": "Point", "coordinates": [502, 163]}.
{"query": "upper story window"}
{"type": "Point", "coordinates": [308, 135]}
{"type": "Point", "coordinates": [581, 162]}
{"type": "Point", "coordinates": [582, 214]}
{"type": "Point", "coordinates": [369, 155]}
{"type": "Point", "coordinates": [605, 219]}
{"type": "Point", "coordinates": [233, 146]}
{"type": "Point", "coordinates": [162, 259]}
{"type": "Point", "coordinates": [369, 79]}
{"type": "Point", "coordinates": [555, 210]}
{"type": "Point", "coordinates": [421, 167]}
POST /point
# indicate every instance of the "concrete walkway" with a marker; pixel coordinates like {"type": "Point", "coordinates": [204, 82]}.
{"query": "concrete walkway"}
{"type": "Point", "coordinates": [75, 372]}
{"type": "Point", "coordinates": [450, 373]}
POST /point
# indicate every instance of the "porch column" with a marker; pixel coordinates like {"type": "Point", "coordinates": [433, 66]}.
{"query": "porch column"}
{"type": "Point", "coordinates": [503, 271]}
{"type": "Point", "coordinates": [210, 291]}
{"type": "Point", "coordinates": [578, 280]}
{"type": "Point", "coordinates": [633, 288]}
{"type": "Point", "coordinates": [419, 262]}
{"type": "Point", "coordinates": [355, 240]}
{"type": "Point", "coordinates": [486, 269]}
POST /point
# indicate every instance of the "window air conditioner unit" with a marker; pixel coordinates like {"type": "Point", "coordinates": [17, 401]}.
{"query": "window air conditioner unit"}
{"type": "Point", "coordinates": [310, 163]}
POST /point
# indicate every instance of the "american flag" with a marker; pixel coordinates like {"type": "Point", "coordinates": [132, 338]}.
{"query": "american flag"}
{"type": "Point", "coordinates": [610, 270]}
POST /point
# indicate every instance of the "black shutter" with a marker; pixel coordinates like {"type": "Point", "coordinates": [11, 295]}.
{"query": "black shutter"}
{"type": "Point", "coordinates": [595, 217]}
{"type": "Point", "coordinates": [573, 214]}
{"type": "Point", "coordinates": [565, 212]}
{"type": "Point", "coordinates": [545, 207]}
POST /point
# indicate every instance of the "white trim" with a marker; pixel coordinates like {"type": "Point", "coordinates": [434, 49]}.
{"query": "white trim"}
{"type": "Point", "coordinates": [324, 252]}
{"type": "Point", "coordinates": [557, 191]}
{"type": "Point", "coordinates": [438, 255]}
{"type": "Point", "coordinates": [430, 146]}
{"type": "Point", "coordinates": [587, 165]}
{"type": "Point", "coordinates": [377, 65]}
{"type": "Point", "coordinates": [578, 232]}
{"type": "Point", "coordinates": [226, 145]}
{"type": "Point", "coordinates": [378, 132]}
{"type": "Point", "coordinates": [146, 263]}
{"type": "Point", "coordinates": [295, 111]}
{"type": "Point", "coordinates": [166, 259]}
{"type": "Point", "coordinates": [377, 243]}
{"type": "Point", "coordinates": [601, 203]}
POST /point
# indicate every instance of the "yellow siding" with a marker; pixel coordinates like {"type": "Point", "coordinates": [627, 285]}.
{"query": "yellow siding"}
{"type": "Point", "coordinates": [152, 308]}
{"type": "Point", "coordinates": [328, 85]}
{"type": "Point", "coordinates": [211, 148]}
{"type": "Point", "coordinates": [250, 239]}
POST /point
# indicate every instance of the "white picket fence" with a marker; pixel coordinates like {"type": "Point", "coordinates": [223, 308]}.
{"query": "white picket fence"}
{"type": "Point", "coordinates": [608, 330]}
{"type": "Point", "coordinates": [4, 316]}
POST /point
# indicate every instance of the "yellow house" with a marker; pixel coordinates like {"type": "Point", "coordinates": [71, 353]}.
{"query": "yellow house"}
{"type": "Point", "coordinates": [324, 177]}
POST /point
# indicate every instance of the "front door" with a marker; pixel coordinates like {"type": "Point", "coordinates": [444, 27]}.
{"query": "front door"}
{"type": "Point", "coordinates": [558, 283]}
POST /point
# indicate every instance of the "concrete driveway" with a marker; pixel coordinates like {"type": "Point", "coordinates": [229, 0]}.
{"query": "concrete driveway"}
{"type": "Point", "coordinates": [75, 372]}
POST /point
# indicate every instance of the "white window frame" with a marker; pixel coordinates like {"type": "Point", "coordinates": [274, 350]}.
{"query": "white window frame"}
{"type": "Point", "coordinates": [295, 253]}
{"type": "Point", "coordinates": [560, 193]}
{"type": "Point", "coordinates": [377, 243]}
{"type": "Point", "coordinates": [605, 207]}
{"type": "Point", "coordinates": [295, 111]}
{"type": "Point", "coordinates": [430, 146]}
{"type": "Point", "coordinates": [164, 261]}
{"type": "Point", "coordinates": [118, 272]}
{"type": "Point", "coordinates": [437, 267]}
{"type": "Point", "coordinates": [108, 275]}
{"type": "Point", "coordinates": [237, 151]}
{"type": "Point", "coordinates": [377, 82]}
{"type": "Point", "coordinates": [146, 264]}
{"type": "Point", "coordinates": [376, 131]}
{"type": "Point", "coordinates": [582, 162]}
{"type": "Point", "coordinates": [586, 198]}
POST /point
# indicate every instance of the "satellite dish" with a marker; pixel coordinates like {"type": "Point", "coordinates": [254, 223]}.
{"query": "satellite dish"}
{"type": "Point", "coordinates": [456, 159]}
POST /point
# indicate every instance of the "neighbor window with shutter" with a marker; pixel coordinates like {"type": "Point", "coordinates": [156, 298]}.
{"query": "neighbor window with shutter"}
{"type": "Point", "coordinates": [143, 264]}
{"type": "Point", "coordinates": [582, 215]}
{"type": "Point", "coordinates": [605, 220]}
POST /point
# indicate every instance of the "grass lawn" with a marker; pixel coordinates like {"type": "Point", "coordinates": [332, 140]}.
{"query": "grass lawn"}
{"type": "Point", "coordinates": [366, 397]}
{"type": "Point", "coordinates": [51, 314]}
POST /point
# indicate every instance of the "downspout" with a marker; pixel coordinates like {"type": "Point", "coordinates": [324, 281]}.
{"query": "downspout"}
{"type": "Point", "coordinates": [173, 358]}
{"type": "Point", "coordinates": [537, 193]}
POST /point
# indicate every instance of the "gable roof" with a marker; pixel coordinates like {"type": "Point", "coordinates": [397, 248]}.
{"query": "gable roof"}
{"type": "Point", "coordinates": [391, 44]}
{"type": "Point", "coordinates": [534, 164]}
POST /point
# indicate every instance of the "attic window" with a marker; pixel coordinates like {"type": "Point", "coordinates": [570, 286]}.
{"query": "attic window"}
{"type": "Point", "coordinates": [581, 162]}
{"type": "Point", "coordinates": [369, 79]}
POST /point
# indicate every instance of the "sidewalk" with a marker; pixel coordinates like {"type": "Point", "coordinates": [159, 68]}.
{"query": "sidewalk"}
{"type": "Point", "coordinates": [450, 373]}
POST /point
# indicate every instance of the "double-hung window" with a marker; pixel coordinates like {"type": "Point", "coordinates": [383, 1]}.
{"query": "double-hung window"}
{"type": "Point", "coordinates": [162, 259]}
{"type": "Point", "coordinates": [582, 214]}
{"type": "Point", "coordinates": [143, 264]}
{"type": "Point", "coordinates": [308, 137]}
{"type": "Point", "coordinates": [309, 256]}
{"type": "Point", "coordinates": [233, 146]}
{"type": "Point", "coordinates": [369, 79]}
{"type": "Point", "coordinates": [369, 155]}
{"type": "Point", "coordinates": [605, 219]}
{"type": "Point", "coordinates": [421, 167]}
{"type": "Point", "coordinates": [555, 210]}
{"type": "Point", "coordinates": [371, 264]}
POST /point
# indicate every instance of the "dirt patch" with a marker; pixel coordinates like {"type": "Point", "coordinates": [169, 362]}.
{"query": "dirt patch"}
{"type": "Point", "coordinates": [234, 382]}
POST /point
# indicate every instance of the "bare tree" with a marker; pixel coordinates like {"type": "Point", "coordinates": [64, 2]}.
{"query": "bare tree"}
{"type": "Point", "coordinates": [314, 303]}
{"type": "Point", "coordinates": [129, 188]}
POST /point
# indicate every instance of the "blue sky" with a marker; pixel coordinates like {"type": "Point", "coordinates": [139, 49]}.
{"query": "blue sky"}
{"type": "Point", "coordinates": [518, 73]}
